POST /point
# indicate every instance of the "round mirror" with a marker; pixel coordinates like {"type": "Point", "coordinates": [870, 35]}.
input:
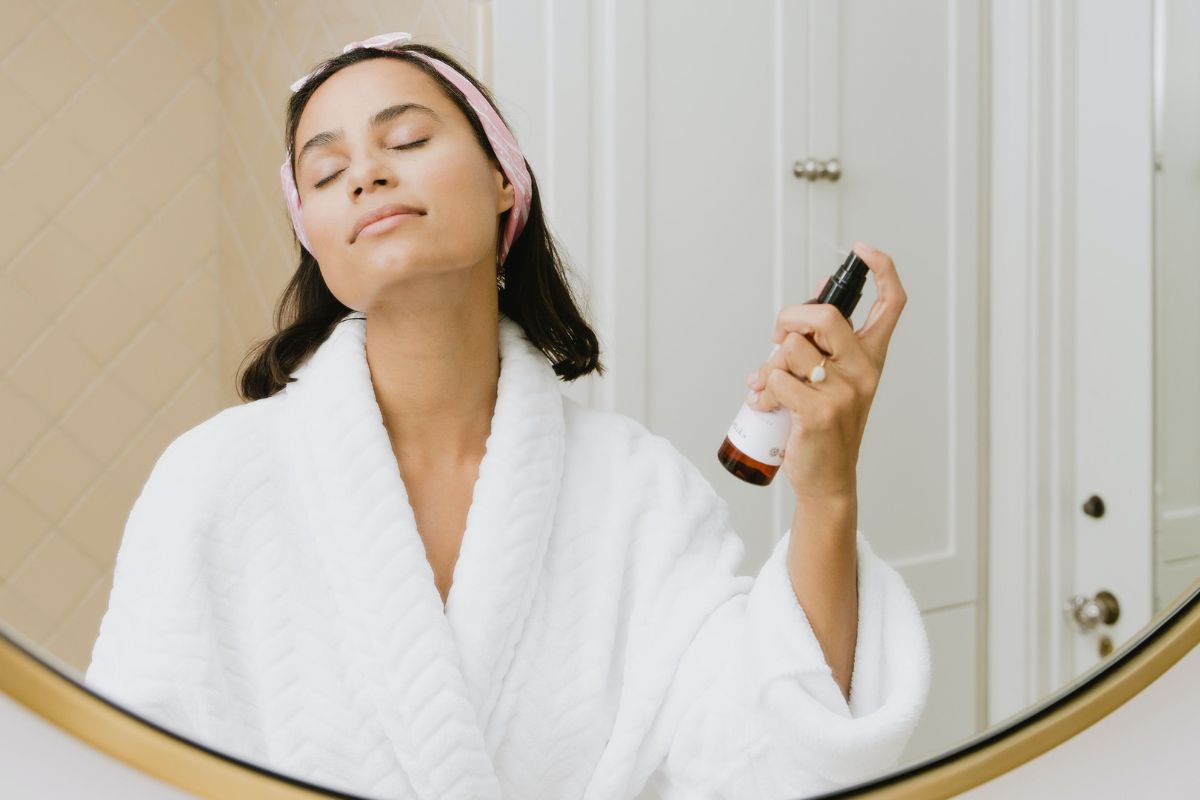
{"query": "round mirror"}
{"type": "Point", "coordinates": [283, 568]}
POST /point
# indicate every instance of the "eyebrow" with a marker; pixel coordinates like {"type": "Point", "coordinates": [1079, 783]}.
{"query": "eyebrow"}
{"type": "Point", "coordinates": [381, 117]}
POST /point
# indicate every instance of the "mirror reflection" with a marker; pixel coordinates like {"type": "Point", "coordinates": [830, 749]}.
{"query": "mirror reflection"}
{"type": "Point", "coordinates": [418, 468]}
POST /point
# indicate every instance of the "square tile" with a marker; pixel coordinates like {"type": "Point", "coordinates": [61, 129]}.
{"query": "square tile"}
{"type": "Point", "coordinates": [47, 67]}
{"type": "Point", "coordinates": [100, 120]}
{"type": "Point", "coordinates": [103, 216]}
{"type": "Point", "coordinates": [97, 522]}
{"type": "Point", "coordinates": [54, 371]}
{"type": "Point", "coordinates": [150, 89]}
{"type": "Point", "coordinates": [49, 170]}
{"type": "Point", "coordinates": [154, 365]}
{"type": "Point", "coordinates": [106, 417]}
{"type": "Point", "coordinates": [54, 475]}
{"type": "Point", "coordinates": [20, 17]}
{"type": "Point", "coordinates": [194, 25]}
{"type": "Point", "coordinates": [99, 29]}
{"type": "Point", "coordinates": [55, 578]}
{"type": "Point", "coordinates": [98, 319]}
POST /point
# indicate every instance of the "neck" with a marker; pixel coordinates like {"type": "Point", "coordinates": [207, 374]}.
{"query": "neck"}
{"type": "Point", "coordinates": [435, 367]}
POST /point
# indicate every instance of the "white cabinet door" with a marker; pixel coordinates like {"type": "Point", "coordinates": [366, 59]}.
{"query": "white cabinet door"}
{"type": "Point", "coordinates": [1071, 296]}
{"type": "Point", "coordinates": [1112, 283]}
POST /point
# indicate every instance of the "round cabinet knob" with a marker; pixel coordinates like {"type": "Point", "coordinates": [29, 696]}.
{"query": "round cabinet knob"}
{"type": "Point", "coordinates": [1088, 612]}
{"type": "Point", "coordinates": [1094, 507]}
{"type": "Point", "coordinates": [806, 169]}
{"type": "Point", "coordinates": [813, 170]}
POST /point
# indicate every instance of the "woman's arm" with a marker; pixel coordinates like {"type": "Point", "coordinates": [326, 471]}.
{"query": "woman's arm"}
{"type": "Point", "coordinates": [823, 566]}
{"type": "Point", "coordinates": [828, 417]}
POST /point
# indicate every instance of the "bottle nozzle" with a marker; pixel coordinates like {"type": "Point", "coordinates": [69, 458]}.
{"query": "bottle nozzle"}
{"type": "Point", "coordinates": [845, 286]}
{"type": "Point", "coordinates": [852, 271]}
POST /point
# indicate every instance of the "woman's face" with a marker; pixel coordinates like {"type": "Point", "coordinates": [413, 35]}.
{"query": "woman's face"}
{"type": "Point", "coordinates": [427, 159]}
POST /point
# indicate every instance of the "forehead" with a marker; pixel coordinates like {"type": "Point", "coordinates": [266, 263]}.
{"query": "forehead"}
{"type": "Point", "coordinates": [350, 96]}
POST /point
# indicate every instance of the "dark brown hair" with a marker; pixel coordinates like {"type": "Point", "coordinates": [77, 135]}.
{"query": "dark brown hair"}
{"type": "Point", "coordinates": [536, 294]}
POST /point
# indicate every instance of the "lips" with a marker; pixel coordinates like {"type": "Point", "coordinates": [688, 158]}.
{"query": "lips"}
{"type": "Point", "coordinates": [391, 209]}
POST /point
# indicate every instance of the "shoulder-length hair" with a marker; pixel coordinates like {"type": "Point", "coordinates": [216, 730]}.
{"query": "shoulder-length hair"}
{"type": "Point", "coordinates": [536, 294]}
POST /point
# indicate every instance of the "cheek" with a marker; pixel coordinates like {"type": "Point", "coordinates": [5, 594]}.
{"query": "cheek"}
{"type": "Point", "coordinates": [460, 178]}
{"type": "Point", "coordinates": [324, 228]}
{"type": "Point", "coordinates": [455, 187]}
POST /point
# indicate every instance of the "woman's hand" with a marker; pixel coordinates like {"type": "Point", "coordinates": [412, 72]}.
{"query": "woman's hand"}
{"type": "Point", "coordinates": [828, 418]}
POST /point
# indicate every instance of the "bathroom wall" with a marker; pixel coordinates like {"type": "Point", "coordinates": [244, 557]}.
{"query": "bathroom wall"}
{"type": "Point", "coordinates": [145, 244]}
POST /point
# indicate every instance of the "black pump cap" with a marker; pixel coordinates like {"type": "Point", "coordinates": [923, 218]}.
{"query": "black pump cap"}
{"type": "Point", "coordinates": [844, 289]}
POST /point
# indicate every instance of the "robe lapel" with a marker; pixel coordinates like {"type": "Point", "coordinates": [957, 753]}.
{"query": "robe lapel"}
{"type": "Point", "coordinates": [509, 522]}
{"type": "Point", "coordinates": [431, 675]}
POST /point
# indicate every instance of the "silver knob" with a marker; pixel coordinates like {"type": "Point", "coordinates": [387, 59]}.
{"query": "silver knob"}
{"type": "Point", "coordinates": [1088, 612]}
{"type": "Point", "coordinates": [814, 170]}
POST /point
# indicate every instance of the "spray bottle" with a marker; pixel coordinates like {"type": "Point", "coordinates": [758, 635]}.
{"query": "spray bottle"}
{"type": "Point", "coordinates": [754, 446]}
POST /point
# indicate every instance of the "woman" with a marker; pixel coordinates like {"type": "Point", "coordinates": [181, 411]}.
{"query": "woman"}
{"type": "Point", "coordinates": [411, 567]}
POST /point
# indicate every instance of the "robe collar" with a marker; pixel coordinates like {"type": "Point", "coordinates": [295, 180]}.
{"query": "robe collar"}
{"type": "Point", "coordinates": [431, 674]}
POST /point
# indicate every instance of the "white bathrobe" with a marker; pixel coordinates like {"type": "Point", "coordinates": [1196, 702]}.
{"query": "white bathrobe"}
{"type": "Point", "coordinates": [272, 599]}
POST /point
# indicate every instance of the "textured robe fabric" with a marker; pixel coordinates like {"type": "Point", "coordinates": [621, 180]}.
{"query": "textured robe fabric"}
{"type": "Point", "coordinates": [272, 599]}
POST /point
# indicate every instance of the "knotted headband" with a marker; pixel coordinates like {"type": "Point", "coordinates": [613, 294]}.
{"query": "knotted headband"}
{"type": "Point", "coordinates": [498, 134]}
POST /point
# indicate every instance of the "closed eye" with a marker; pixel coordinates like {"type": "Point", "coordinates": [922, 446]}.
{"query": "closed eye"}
{"type": "Point", "coordinates": [408, 146]}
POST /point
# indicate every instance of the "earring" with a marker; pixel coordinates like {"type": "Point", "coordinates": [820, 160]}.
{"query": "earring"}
{"type": "Point", "coordinates": [499, 274]}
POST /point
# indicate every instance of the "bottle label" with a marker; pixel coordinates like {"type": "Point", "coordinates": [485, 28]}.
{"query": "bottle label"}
{"type": "Point", "coordinates": [761, 435]}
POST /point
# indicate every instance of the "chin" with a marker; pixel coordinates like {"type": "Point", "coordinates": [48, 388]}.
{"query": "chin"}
{"type": "Point", "coordinates": [390, 255]}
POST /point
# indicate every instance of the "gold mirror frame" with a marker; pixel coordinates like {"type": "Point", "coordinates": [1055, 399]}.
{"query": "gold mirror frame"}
{"type": "Point", "coordinates": [194, 768]}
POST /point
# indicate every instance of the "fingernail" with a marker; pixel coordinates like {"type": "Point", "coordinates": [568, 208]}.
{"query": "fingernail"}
{"type": "Point", "coordinates": [751, 378]}
{"type": "Point", "coordinates": [752, 398]}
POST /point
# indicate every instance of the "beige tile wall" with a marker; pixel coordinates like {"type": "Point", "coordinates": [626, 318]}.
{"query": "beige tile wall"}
{"type": "Point", "coordinates": [143, 247]}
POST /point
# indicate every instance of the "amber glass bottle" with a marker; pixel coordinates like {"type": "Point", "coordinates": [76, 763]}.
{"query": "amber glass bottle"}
{"type": "Point", "coordinates": [754, 446]}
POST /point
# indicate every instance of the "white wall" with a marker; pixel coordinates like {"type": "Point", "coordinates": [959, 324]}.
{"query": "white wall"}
{"type": "Point", "coordinates": [1145, 748]}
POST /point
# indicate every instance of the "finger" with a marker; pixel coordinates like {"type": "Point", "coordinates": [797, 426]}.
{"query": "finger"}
{"type": "Point", "coordinates": [829, 330]}
{"type": "Point", "coordinates": [876, 332]}
{"type": "Point", "coordinates": [800, 355]}
{"type": "Point", "coordinates": [820, 288]}
{"type": "Point", "coordinates": [796, 354]}
{"type": "Point", "coordinates": [782, 388]}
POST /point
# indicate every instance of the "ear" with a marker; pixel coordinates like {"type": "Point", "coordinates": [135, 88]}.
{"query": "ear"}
{"type": "Point", "coordinates": [506, 196]}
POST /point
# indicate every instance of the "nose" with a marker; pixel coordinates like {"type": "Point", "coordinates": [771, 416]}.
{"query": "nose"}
{"type": "Point", "coordinates": [369, 171]}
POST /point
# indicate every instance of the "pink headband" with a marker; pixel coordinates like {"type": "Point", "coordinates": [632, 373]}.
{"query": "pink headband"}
{"type": "Point", "coordinates": [502, 141]}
